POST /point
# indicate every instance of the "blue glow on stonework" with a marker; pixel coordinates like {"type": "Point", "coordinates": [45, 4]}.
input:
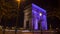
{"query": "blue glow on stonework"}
{"type": "Point", "coordinates": [38, 8]}
{"type": "Point", "coordinates": [36, 18]}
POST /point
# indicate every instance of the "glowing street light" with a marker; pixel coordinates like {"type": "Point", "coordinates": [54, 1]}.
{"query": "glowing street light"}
{"type": "Point", "coordinates": [40, 14]}
{"type": "Point", "coordinates": [18, 1]}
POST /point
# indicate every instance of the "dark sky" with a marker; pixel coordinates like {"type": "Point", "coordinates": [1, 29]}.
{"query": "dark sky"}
{"type": "Point", "coordinates": [47, 3]}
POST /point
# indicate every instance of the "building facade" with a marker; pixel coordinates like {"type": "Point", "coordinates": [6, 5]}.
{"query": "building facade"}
{"type": "Point", "coordinates": [36, 17]}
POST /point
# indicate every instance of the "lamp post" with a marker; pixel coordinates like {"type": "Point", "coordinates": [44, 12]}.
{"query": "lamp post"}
{"type": "Point", "coordinates": [50, 29]}
{"type": "Point", "coordinates": [4, 24]}
{"type": "Point", "coordinates": [18, 1]}
{"type": "Point", "coordinates": [40, 22]}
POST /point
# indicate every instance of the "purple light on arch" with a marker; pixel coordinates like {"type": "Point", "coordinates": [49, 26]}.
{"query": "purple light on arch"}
{"type": "Point", "coordinates": [36, 18]}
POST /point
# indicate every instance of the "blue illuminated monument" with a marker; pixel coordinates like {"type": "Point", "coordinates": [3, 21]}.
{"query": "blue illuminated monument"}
{"type": "Point", "coordinates": [39, 18]}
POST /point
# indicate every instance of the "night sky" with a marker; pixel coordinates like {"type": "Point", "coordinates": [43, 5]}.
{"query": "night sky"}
{"type": "Point", "coordinates": [47, 3]}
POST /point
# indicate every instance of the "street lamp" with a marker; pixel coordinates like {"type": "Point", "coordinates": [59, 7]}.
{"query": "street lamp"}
{"type": "Point", "coordinates": [40, 14]}
{"type": "Point", "coordinates": [18, 1]}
